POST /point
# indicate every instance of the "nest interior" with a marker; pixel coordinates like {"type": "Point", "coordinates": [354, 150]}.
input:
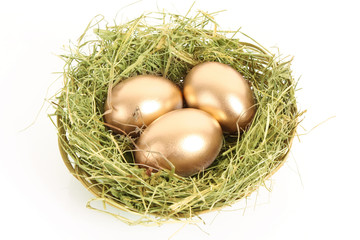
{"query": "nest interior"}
{"type": "Point", "coordinates": [170, 46]}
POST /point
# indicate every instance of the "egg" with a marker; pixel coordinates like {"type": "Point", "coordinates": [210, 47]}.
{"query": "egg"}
{"type": "Point", "coordinates": [187, 140]}
{"type": "Point", "coordinates": [138, 101]}
{"type": "Point", "coordinates": [221, 91]}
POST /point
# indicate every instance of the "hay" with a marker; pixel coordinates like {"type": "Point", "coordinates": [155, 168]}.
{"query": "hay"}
{"type": "Point", "coordinates": [170, 46]}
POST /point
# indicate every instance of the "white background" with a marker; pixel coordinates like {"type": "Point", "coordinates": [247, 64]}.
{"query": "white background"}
{"type": "Point", "coordinates": [315, 195]}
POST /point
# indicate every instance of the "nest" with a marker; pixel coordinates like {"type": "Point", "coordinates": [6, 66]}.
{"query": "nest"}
{"type": "Point", "coordinates": [170, 46]}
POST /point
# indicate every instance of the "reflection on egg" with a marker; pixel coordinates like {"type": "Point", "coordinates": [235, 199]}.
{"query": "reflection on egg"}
{"type": "Point", "coordinates": [187, 139]}
{"type": "Point", "coordinates": [221, 91]}
{"type": "Point", "coordinates": [139, 100]}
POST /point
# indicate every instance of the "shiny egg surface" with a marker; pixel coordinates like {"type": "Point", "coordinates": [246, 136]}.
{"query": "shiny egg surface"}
{"type": "Point", "coordinates": [221, 91]}
{"type": "Point", "coordinates": [186, 139]}
{"type": "Point", "coordinates": [138, 101]}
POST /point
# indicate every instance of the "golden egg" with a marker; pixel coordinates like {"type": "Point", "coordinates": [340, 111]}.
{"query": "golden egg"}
{"type": "Point", "coordinates": [221, 91]}
{"type": "Point", "coordinates": [187, 139]}
{"type": "Point", "coordinates": [138, 101]}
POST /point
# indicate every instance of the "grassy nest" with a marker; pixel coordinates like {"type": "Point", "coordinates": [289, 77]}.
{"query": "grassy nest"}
{"type": "Point", "coordinates": [170, 46]}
